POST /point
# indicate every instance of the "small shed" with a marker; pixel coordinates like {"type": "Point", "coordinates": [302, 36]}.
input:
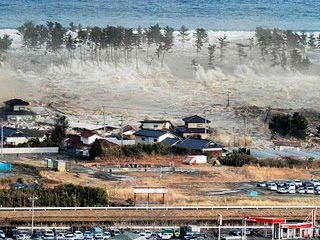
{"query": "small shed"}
{"type": "Point", "coordinates": [195, 159]}
{"type": "Point", "coordinates": [284, 145]}
{"type": "Point", "coordinates": [59, 165]}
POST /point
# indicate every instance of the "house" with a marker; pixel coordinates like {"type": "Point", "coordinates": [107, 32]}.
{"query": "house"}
{"type": "Point", "coordinates": [18, 110]}
{"type": "Point", "coordinates": [79, 144]}
{"type": "Point", "coordinates": [195, 127]}
{"type": "Point", "coordinates": [88, 137]}
{"type": "Point", "coordinates": [119, 142]}
{"type": "Point", "coordinates": [148, 136]}
{"type": "Point", "coordinates": [156, 124]}
{"type": "Point", "coordinates": [76, 147]}
{"type": "Point", "coordinates": [204, 146]}
{"type": "Point", "coordinates": [284, 145]}
{"type": "Point", "coordinates": [14, 136]}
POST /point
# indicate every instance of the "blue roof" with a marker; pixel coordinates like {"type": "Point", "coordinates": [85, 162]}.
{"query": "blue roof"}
{"type": "Point", "coordinates": [170, 141]}
{"type": "Point", "coordinates": [8, 131]}
{"type": "Point", "coordinates": [150, 133]}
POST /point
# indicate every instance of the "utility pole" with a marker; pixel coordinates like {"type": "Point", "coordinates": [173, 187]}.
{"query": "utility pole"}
{"type": "Point", "coordinates": [228, 99]}
{"type": "Point", "coordinates": [121, 129]}
{"type": "Point", "coordinates": [205, 122]}
{"type": "Point", "coordinates": [1, 137]}
{"type": "Point", "coordinates": [104, 122]}
{"type": "Point", "coordinates": [32, 199]}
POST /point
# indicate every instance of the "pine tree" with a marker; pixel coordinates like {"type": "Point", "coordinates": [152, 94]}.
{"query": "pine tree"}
{"type": "Point", "coordinates": [312, 41]}
{"type": "Point", "coordinates": [222, 44]}
{"type": "Point", "coordinates": [201, 37]}
{"type": "Point", "coordinates": [211, 49]}
{"type": "Point", "coordinates": [95, 149]}
{"type": "Point", "coordinates": [183, 34]}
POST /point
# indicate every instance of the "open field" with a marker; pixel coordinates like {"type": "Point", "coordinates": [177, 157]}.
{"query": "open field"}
{"type": "Point", "coordinates": [187, 186]}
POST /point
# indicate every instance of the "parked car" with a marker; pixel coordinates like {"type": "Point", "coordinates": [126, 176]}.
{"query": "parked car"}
{"type": "Point", "coordinates": [106, 235]}
{"type": "Point", "coordinates": [310, 190]}
{"type": "Point", "coordinates": [272, 186]}
{"type": "Point", "coordinates": [254, 232]}
{"type": "Point", "coordinates": [282, 190]}
{"type": "Point", "coordinates": [98, 236]}
{"type": "Point", "coordinates": [291, 190]}
{"type": "Point", "coordinates": [235, 232]}
{"type": "Point", "coordinates": [87, 234]}
{"type": "Point", "coordinates": [60, 236]}
{"type": "Point", "coordinates": [115, 232]}
{"type": "Point", "coordinates": [15, 233]}
{"type": "Point", "coordinates": [2, 234]}
{"type": "Point", "coordinates": [24, 236]}
{"type": "Point", "coordinates": [166, 236]}
{"type": "Point", "coordinates": [301, 190]}
{"type": "Point", "coordinates": [280, 184]}
{"type": "Point", "coordinates": [298, 183]}
{"type": "Point", "coordinates": [261, 184]}
{"type": "Point", "coordinates": [78, 235]}
{"type": "Point", "coordinates": [69, 236]}
{"type": "Point", "coordinates": [315, 182]}
{"type": "Point", "coordinates": [148, 233]}
{"type": "Point", "coordinates": [38, 235]}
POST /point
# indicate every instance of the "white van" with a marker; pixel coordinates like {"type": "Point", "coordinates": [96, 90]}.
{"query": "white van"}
{"type": "Point", "coordinates": [272, 186]}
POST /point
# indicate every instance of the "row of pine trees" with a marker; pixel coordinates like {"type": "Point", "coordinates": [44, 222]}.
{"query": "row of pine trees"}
{"type": "Point", "coordinates": [115, 44]}
{"type": "Point", "coordinates": [67, 195]}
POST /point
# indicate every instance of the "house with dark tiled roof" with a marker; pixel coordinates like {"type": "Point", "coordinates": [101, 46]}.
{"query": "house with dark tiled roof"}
{"type": "Point", "coordinates": [156, 124]}
{"type": "Point", "coordinates": [79, 144]}
{"type": "Point", "coordinates": [17, 110]}
{"type": "Point", "coordinates": [195, 127]}
{"type": "Point", "coordinates": [202, 145]}
{"type": "Point", "coordinates": [149, 136]}
{"type": "Point", "coordinates": [14, 136]}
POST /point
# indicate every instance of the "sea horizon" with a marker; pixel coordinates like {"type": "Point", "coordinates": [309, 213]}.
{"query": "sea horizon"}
{"type": "Point", "coordinates": [234, 15]}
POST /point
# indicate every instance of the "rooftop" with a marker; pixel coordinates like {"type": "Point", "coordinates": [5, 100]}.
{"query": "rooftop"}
{"type": "Point", "coordinates": [150, 133]}
{"type": "Point", "coordinates": [195, 119]}
{"type": "Point", "coordinates": [16, 101]}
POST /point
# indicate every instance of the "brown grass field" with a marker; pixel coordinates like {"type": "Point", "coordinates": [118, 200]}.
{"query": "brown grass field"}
{"type": "Point", "coordinates": [196, 186]}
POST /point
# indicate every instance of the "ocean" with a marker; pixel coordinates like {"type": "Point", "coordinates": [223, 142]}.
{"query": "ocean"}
{"type": "Point", "coordinates": [222, 15]}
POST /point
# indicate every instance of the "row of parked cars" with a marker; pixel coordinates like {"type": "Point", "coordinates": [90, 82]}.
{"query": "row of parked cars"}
{"type": "Point", "coordinates": [49, 234]}
{"type": "Point", "coordinates": [293, 186]}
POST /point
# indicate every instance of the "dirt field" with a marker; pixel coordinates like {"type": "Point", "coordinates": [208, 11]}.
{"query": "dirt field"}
{"type": "Point", "coordinates": [187, 185]}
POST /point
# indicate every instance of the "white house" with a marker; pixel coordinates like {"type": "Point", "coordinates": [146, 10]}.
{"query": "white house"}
{"type": "Point", "coordinates": [88, 137]}
{"type": "Point", "coordinates": [156, 124]}
{"type": "Point", "coordinates": [148, 136]}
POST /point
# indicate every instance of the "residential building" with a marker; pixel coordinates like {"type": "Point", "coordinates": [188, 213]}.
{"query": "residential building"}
{"type": "Point", "coordinates": [204, 146]}
{"type": "Point", "coordinates": [148, 136]}
{"type": "Point", "coordinates": [14, 136]}
{"type": "Point", "coordinates": [195, 127]}
{"type": "Point", "coordinates": [156, 124]}
{"type": "Point", "coordinates": [18, 110]}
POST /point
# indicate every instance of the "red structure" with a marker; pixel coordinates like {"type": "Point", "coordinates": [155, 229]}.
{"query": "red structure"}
{"type": "Point", "coordinates": [284, 230]}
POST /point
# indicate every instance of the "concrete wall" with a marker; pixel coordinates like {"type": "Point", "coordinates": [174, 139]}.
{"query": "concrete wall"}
{"type": "Point", "coordinates": [30, 150]}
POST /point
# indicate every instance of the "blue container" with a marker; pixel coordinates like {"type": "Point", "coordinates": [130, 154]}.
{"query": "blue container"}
{"type": "Point", "coordinates": [5, 166]}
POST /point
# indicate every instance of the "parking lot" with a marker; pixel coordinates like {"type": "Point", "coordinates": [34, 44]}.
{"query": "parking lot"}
{"type": "Point", "coordinates": [294, 186]}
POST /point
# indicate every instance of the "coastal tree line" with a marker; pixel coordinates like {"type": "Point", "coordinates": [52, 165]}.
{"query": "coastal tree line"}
{"type": "Point", "coordinates": [115, 44]}
{"type": "Point", "coordinates": [66, 195]}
